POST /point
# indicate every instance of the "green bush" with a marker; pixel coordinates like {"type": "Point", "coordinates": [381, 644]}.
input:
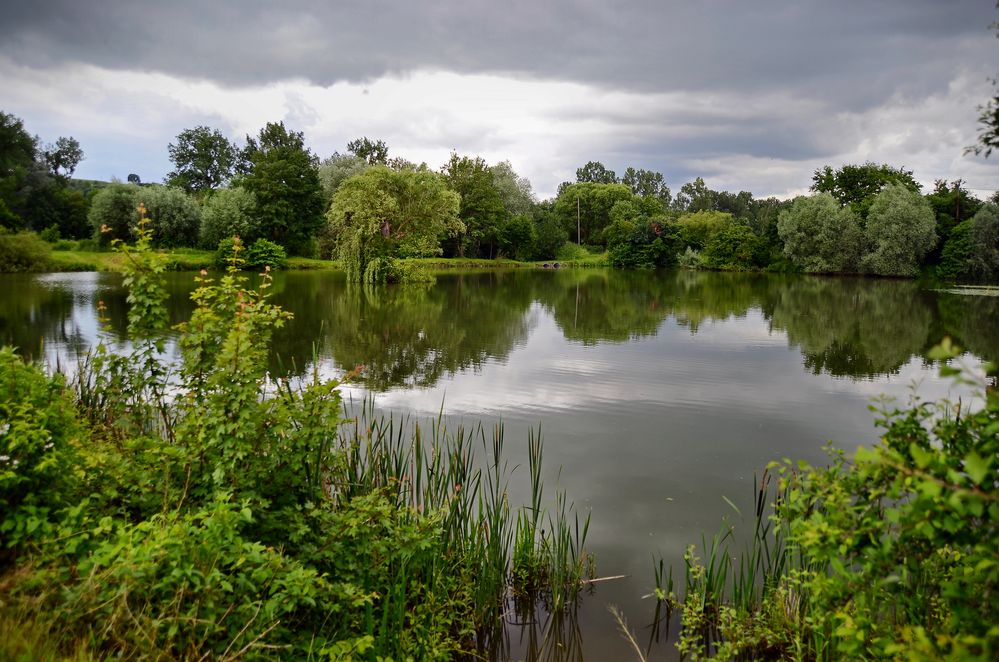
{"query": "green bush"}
{"type": "Point", "coordinates": [260, 255]}
{"type": "Point", "coordinates": [38, 433]}
{"type": "Point", "coordinates": [23, 251]}
{"type": "Point", "coordinates": [890, 554]}
{"type": "Point", "coordinates": [228, 212]}
{"type": "Point", "coordinates": [50, 234]}
{"type": "Point", "coordinates": [648, 246]}
{"type": "Point", "coordinates": [735, 247]}
{"type": "Point", "coordinates": [263, 253]}
{"type": "Point", "coordinates": [174, 216]}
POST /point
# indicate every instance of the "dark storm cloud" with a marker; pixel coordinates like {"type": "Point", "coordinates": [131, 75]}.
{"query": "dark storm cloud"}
{"type": "Point", "coordinates": [851, 50]}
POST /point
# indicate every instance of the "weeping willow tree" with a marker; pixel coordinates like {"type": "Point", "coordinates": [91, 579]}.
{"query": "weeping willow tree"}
{"type": "Point", "coordinates": [382, 215]}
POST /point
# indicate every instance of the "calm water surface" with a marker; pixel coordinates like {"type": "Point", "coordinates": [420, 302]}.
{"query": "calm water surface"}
{"type": "Point", "coordinates": [657, 393]}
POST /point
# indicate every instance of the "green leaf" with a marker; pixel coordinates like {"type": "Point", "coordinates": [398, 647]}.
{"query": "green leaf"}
{"type": "Point", "coordinates": [976, 466]}
{"type": "Point", "coordinates": [921, 456]}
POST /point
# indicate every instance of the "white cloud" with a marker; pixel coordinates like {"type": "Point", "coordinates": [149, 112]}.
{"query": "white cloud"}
{"type": "Point", "coordinates": [767, 142]}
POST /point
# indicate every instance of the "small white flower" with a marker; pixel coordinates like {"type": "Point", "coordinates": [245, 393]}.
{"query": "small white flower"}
{"type": "Point", "coordinates": [4, 429]}
{"type": "Point", "coordinates": [4, 458]}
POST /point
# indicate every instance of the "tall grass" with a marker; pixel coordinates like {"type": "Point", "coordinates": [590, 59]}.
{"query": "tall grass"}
{"type": "Point", "coordinates": [523, 558]}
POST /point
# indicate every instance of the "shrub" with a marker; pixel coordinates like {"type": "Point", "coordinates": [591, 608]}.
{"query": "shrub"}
{"type": "Point", "coordinates": [650, 245]}
{"type": "Point", "coordinates": [887, 555]}
{"type": "Point", "coordinates": [38, 430]}
{"type": "Point", "coordinates": [697, 229]}
{"type": "Point", "coordinates": [113, 212]}
{"type": "Point", "coordinates": [228, 212]}
{"type": "Point", "coordinates": [50, 234]}
{"type": "Point", "coordinates": [735, 247]}
{"type": "Point", "coordinates": [174, 217]}
{"type": "Point", "coordinates": [689, 258]}
{"type": "Point", "coordinates": [263, 253]}
{"type": "Point", "coordinates": [23, 251]}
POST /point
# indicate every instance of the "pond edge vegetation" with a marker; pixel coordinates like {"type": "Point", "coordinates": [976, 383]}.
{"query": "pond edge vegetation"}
{"type": "Point", "coordinates": [176, 511]}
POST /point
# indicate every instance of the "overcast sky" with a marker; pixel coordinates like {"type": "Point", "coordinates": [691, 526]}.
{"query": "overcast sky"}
{"type": "Point", "coordinates": [748, 95]}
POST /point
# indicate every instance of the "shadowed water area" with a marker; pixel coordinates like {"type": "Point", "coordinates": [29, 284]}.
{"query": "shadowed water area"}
{"type": "Point", "coordinates": [657, 394]}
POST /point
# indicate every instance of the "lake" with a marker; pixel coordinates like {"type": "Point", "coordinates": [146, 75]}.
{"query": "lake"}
{"type": "Point", "coordinates": [658, 395]}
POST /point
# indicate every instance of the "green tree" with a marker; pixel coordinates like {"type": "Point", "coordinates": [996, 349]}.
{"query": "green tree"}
{"type": "Point", "coordinates": [373, 151]}
{"type": "Point", "coordinates": [899, 232]}
{"type": "Point", "coordinates": [282, 175]}
{"type": "Point", "coordinates": [518, 236]}
{"type": "Point", "coordinates": [114, 212]}
{"type": "Point", "coordinates": [697, 229]}
{"type": "Point", "coordinates": [984, 233]}
{"type": "Point", "coordinates": [820, 236]}
{"type": "Point", "coordinates": [18, 150]}
{"type": "Point", "coordinates": [735, 247]}
{"type": "Point", "coordinates": [550, 235]}
{"type": "Point", "coordinates": [858, 185]}
{"type": "Point", "coordinates": [228, 212]}
{"type": "Point", "coordinates": [382, 214]}
{"type": "Point", "coordinates": [203, 160]}
{"type": "Point", "coordinates": [335, 170]}
{"type": "Point", "coordinates": [594, 172]}
{"type": "Point", "coordinates": [952, 204]}
{"type": "Point", "coordinates": [956, 256]}
{"type": "Point", "coordinates": [63, 156]}
{"type": "Point", "coordinates": [174, 217]}
{"type": "Point", "coordinates": [515, 191]}
{"type": "Point", "coordinates": [482, 211]}
{"type": "Point", "coordinates": [647, 184]}
{"type": "Point", "coordinates": [594, 203]}
{"type": "Point", "coordinates": [695, 196]}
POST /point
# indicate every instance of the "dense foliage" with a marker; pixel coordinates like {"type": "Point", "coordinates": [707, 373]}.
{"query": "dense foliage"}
{"type": "Point", "coordinates": [382, 215]}
{"type": "Point", "coordinates": [275, 188]}
{"type": "Point", "coordinates": [890, 554]}
{"type": "Point", "coordinates": [203, 510]}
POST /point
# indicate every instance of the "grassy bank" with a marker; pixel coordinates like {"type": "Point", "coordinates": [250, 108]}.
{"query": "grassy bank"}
{"type": "Point", "coordinates": [194, 260]}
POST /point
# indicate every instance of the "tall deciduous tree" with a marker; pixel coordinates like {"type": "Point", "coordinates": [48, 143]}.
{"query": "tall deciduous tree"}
{"type": "Point", "coordinates": [899, 232]}
{"type": "Point", "coordinates": [337, 169]}
{"type": "Point", "coordinates": [647, 184]}
{"type": "Point", "coordinates": [203, 160]}
{"type": "Point", "coordinates": [383, 214]}
{"type": "Point", "coordinates": [858, 185]}
{"type": "Point", "coordinates": [985, 243]}
{"type": "Point", "coordinates": [515, 191]}
{"type": "Point", "coordinates": [695, 196]}
{"type": "Point", "coordinates": [482, 211]}
{"type": "Point", "coordinates": [17, 157]}
{"type": "Point", "coordinates": [282, 175]}
{"type": "Point", "coordinates": [820, 236]}
{"type": "Point", "coordinates": [594, 172]}
{"type": "Point", "coordinates": [373, 151]}
{"type": "Point", "coordinates": [593, 203]}
{"type": "Point", "coordinates": [63, 156]}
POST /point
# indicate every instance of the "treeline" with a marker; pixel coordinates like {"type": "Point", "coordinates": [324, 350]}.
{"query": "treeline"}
{"type": "Point", "coordinates": [368, 210]}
